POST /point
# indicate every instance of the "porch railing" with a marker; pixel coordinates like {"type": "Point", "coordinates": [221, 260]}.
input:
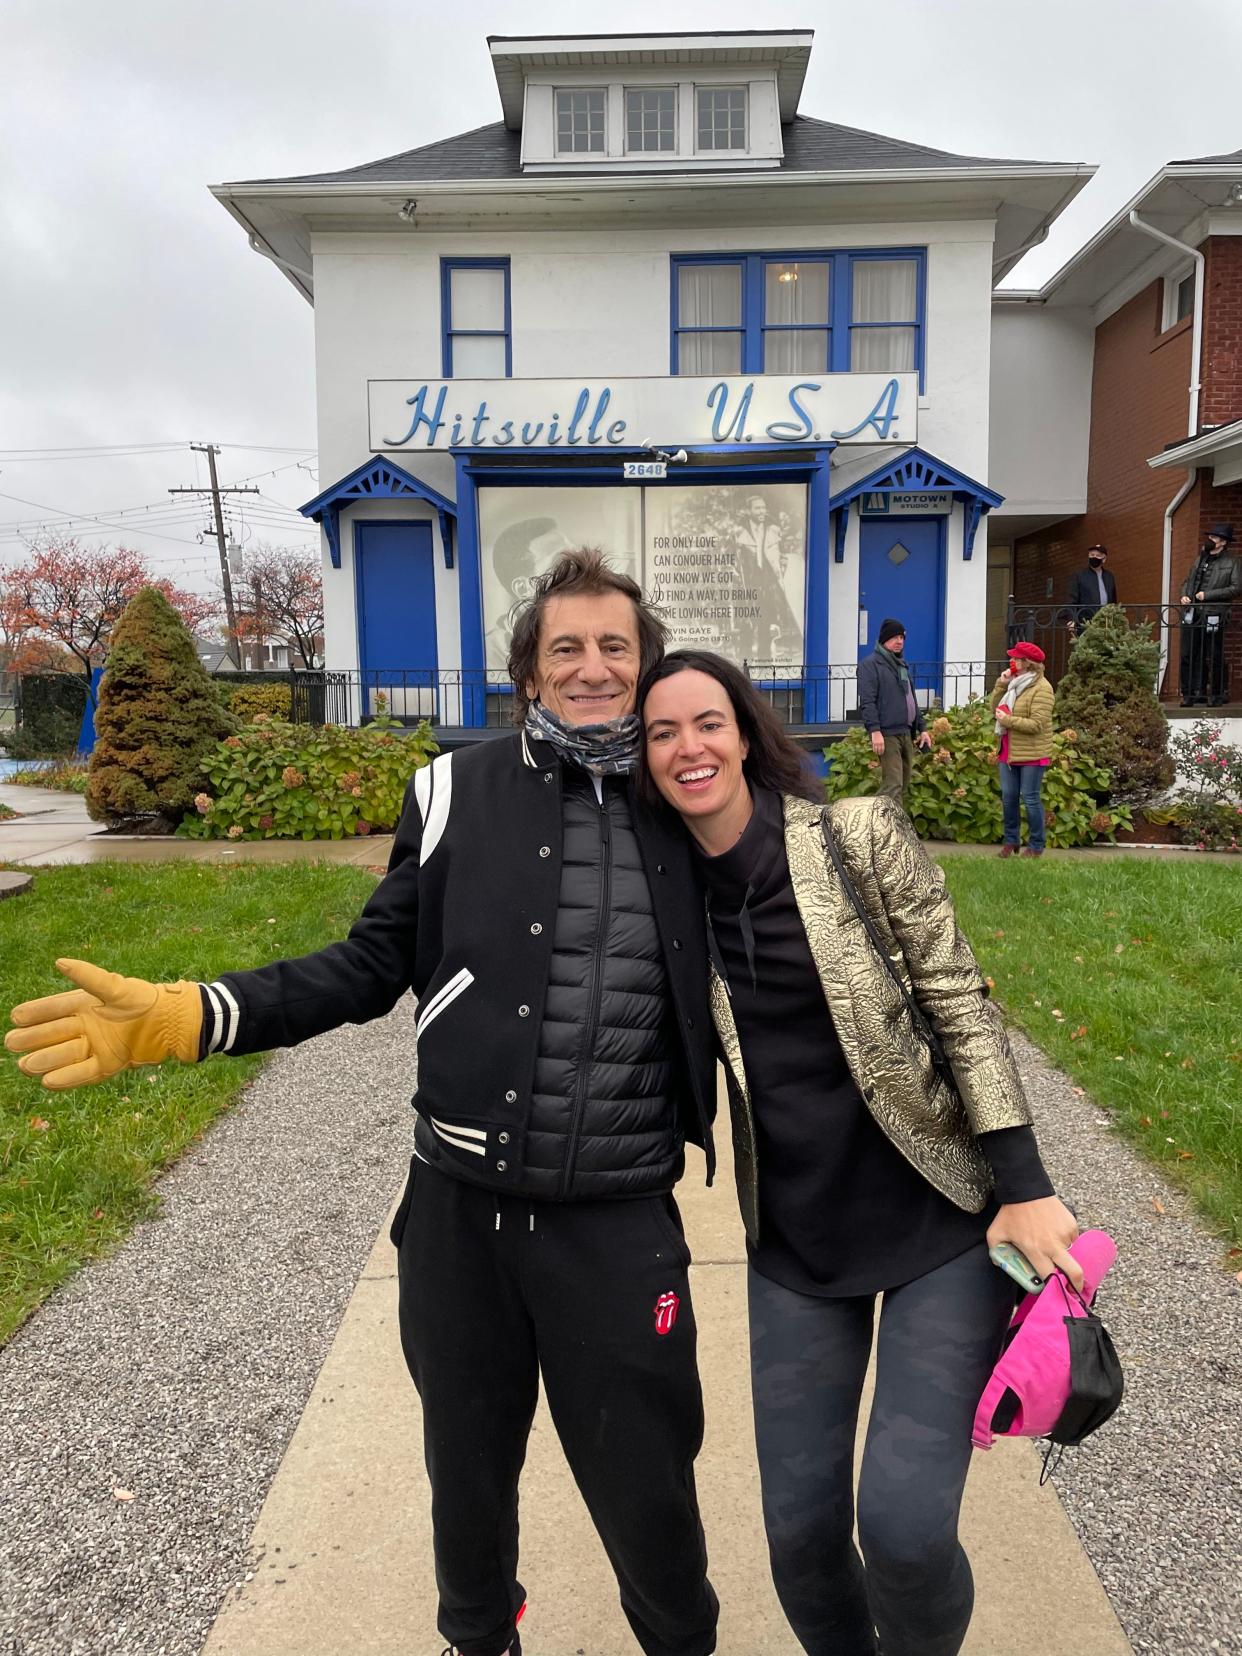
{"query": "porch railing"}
{"type": "Point", "coordinates": [1055, 628]}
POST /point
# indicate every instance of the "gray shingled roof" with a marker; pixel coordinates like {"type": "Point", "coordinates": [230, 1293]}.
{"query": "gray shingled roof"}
{"type": "Point", "coordinates": [494, 152]}
{"type": "Point", "coordinates": [1234, 158]}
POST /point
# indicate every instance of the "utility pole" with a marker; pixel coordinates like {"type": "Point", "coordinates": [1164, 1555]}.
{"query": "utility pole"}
{"type": "Point", "coordinates": [215, 491]}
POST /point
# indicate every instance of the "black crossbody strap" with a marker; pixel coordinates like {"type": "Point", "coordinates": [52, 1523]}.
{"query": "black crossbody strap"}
{"type": "Point", "coordinates": [939, 1059]}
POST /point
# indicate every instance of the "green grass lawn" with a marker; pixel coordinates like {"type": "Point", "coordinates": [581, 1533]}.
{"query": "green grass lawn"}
{"type": "Point", "coordinates": [77, 1168]}
{"type": "Point", "coordinates": [1129, 976]}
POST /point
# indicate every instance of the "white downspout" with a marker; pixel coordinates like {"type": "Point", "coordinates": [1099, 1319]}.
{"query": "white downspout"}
{"type": "Point", "coordinates": [1196, 352]}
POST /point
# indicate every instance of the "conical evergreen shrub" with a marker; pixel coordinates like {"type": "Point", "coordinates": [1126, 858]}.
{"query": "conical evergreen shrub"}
{"type": "Point", "coordinates": [1107, 696]}
{"type": "Point", "coordinates": [158, 716]}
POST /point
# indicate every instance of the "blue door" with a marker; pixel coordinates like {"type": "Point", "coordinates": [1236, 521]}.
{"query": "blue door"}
{"type": "Point", "coordinates": [901, 574]}
{"type": "Point", "coordinates": [396, 597]}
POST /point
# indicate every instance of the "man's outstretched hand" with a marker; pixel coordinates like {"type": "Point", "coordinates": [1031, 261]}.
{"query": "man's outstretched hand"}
{"type": "Point", "coordinates": [109, 1023]}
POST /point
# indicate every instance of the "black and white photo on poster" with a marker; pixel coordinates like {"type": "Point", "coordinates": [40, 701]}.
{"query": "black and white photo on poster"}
{"type": "Point", "coordinates": [727, 565]}
{"type": "Point", "coordinates": [522, 531]}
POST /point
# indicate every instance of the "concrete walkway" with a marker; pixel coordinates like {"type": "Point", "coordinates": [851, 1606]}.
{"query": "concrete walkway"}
{"type": "Point", "coordinates": [343, 1545]}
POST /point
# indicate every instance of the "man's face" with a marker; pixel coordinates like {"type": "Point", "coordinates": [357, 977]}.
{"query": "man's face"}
{"type": "Point", "coordinates": [1217, 544]}
{"type": "Point", "coordinates": [758, 508]}
{"type": "Point", "coordinates": [896, 645]}
{"type": "Point", "coordinates": [588, 662]}
{"type": "Point", "coordinates": [1096, 558]}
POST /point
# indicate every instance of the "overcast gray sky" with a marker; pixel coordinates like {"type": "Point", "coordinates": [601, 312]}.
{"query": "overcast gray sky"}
{"type": "Point", "coordinates": [133, 313]}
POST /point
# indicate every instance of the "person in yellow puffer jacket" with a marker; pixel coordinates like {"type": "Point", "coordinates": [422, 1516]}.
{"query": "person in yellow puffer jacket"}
{"type": "Point", "coordinates": [1022, 702]}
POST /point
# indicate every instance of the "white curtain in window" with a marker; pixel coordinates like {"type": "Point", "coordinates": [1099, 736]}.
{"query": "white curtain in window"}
{"type": "Point", "coordinates": [477, 357]}
{"type": "Point", "coordinates": [478, 299]}
{"type": "Point", "coordinates": [709, 353]}
{"type": "Point", "coordinates": [709, 296]}
{"type": "Point", "coordinates": [801, 351]}
{"type": "Point", "coordinates": [885, 290]}
{"type": "Point", "coordinates": [796, 293]}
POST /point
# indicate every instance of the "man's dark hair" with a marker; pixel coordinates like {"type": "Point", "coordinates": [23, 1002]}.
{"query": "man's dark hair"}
{"type": "Point", "coordinates": [773, 761]}
{"type": "Point", "coordinates": [582, 572]}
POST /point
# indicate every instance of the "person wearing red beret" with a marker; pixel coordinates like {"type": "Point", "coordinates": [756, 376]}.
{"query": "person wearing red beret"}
{"type": "Point", "coordinates": [1022, 702]}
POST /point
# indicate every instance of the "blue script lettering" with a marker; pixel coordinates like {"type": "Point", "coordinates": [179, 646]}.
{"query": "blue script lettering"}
{"type": "Point", "coordinates": [597, 419]}
{"type": "Point", "coordinates": [719, 393]}
{"type": "Point", "coordinates": [781, 430]}
{"type": "Point", "coordinates": [505, 435]}
{"type": "Point", "coordinates": [881, 419]}
{"type": "Point", "coordinates": [434, 421]}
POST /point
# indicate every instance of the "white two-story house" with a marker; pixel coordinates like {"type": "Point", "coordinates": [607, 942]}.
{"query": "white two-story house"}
{"type": "Point", "coordinates": [656, 309]}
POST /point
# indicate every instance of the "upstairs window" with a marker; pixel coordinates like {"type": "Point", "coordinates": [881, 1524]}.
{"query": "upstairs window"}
{"type": "Point", "coordinates": [799, 313]}
{"type": "Point", "coordinates": [720, 117]}
{"type": "Point", "coordinates": [1179, 297]}
{"type": "Point", "coordinates": [651, 120]}
{"type": "Point", "coordinates": [580, 118]}
{"type": "Point", "coordinates": [475, 319]}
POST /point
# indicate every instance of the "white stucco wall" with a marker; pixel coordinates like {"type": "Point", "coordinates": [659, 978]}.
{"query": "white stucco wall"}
{"type": "Point", "coordinates": [597, 303]}
{"type": "Point", "coordinates": [1042, 359]}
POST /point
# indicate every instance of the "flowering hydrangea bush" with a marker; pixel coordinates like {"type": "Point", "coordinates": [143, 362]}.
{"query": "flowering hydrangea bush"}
{"type": "Point", "coordinates": [955, 786]}
{"type": "Point", "coordinates": [1208, 812]}
{"type": "Point", "coordinates": [275, 780]}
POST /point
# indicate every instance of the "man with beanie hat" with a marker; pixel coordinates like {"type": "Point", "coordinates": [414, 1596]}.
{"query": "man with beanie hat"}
{"type": "Point", "coordinates": [1207, 598]}
{"type": "Point", "coordinates": [887, 707]}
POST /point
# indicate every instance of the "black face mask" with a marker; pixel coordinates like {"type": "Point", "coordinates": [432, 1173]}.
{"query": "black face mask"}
{"type": "Point", "coordinates": [1096, 563]}
{"type": "Point", "coordinates": [1096, 1383]}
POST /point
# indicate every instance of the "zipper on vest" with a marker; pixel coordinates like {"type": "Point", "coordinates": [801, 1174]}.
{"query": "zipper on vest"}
{"type": "Point", "coordinates": [597, 965]}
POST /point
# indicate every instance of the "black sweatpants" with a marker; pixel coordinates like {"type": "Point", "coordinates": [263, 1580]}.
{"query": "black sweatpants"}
{"type": "Point", "coordinates": [595, 1296]}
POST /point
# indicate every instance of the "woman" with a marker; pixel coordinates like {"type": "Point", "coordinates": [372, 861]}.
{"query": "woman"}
{"type": "Point", "coordinates": [1022, 701]}
{"type": "Point", "coordinates": [858, 1172]}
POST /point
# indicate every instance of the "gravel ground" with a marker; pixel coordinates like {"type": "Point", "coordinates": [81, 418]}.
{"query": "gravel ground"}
{"type": "Point", "coordinates": [1156, 1494]}
{"type": "Point", "coordinates": [178, 1369]}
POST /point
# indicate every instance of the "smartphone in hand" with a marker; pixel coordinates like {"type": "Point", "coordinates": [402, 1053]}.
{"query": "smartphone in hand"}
{"type": "Point", "coordinates": [1014, 1263]}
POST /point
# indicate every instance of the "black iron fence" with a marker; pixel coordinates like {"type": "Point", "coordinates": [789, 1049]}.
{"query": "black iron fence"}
{"type": "Point", "coordinates": [1056, 628]}
{"type": "Point", "coordinates": [809, 694]}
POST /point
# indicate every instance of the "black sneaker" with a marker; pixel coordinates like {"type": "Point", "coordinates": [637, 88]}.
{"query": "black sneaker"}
{"type": "Point", "coordinates": [514, 1649]}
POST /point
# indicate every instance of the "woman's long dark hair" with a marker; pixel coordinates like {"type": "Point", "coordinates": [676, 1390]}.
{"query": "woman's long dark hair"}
{"type": "Point", "coordinates": [773, 760]}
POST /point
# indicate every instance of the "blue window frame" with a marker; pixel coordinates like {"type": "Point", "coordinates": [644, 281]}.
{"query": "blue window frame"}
{"type": "Point", "coordinates": [476, 320]}
{"type": "Point", "coordinates": [857, 311]}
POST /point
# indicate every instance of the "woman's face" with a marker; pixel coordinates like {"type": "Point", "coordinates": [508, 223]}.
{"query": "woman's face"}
{"type": "Point", "coordinates": [695, 749]}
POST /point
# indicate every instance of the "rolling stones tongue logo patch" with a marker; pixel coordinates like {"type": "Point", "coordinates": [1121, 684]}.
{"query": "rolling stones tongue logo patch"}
{"type": "Point", "coordinates": [666, 1308]}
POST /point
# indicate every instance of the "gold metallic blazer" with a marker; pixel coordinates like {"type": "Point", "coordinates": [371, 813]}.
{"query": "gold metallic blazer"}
{"type": "Point", "coordinates": [904, 893]}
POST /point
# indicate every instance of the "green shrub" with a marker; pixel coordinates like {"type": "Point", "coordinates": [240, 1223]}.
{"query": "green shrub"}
{"type": "Point", "coordinates": [954, 789]}
{"type": "Point", "coordinates": [274, 780]}
{"type": "Point", "coordinates": [51, 705]}
{"type": "Point", "coordinates": [1106, 695]}
{"type": "Point", "coordinates": [158, 717]}
{"type": "Point", "coordinates": [245, 701]}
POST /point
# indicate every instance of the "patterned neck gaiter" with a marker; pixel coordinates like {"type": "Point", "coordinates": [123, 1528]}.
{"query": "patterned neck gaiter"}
{"type": "Point", "coordinates": [608, 749]}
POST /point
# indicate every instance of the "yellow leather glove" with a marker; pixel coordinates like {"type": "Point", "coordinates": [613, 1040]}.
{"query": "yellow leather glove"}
{"type": "Point", "coordinates": [109, 1023]}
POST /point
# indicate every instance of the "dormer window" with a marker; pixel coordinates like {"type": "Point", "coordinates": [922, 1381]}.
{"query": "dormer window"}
{"type": "Point", "coordinates": [580, 118]}
{"type": "Point", "coordinates": [720, 117]}
{"type": "Point", "coordinates": [651, 120]}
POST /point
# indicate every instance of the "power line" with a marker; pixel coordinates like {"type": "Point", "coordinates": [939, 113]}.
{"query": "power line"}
{"type": "Point", "coordinates": [179, 443]}
{"type": "Point", "coordinates": [210, 450]}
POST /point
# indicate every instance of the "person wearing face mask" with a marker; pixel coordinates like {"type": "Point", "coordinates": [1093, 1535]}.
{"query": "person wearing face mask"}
{"type": "Point", "coordinates": [1090, 589]}
{"type": "Point", "coordinates": [859, 1172]}
{"type": "Point", "coordinates": [1207, 598]}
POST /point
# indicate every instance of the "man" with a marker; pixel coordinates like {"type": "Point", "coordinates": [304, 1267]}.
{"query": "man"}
{"type": "Point", "coordinates": [551, 930]}
{"type": "Point", "coordinates": [769, 568]}
{"type": "Point", "coordinates": [1090, 589]}
{"type": "Point", "coordinates": [893, 718]}
{"type": "Point", "coordinates": [1207, 596]}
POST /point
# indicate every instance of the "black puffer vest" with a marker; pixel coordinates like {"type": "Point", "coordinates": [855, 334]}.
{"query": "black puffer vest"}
{"type": "Point", "coordinates": [603, 1122]}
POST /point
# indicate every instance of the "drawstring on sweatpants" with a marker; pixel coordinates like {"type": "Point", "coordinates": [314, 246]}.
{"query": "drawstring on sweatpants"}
{"type": "Point", "coordinates": [497, 1201]}
{"type": "Point", "coordinates": [532, 1218]}
{"type": "Point", "coordinates": [531, 1210]}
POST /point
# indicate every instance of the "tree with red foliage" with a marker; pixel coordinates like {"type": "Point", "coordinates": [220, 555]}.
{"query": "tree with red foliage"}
{"type": "Point", "coordinates": [75, 595]}
{"type": "Point", "coordinates": [280, 595]}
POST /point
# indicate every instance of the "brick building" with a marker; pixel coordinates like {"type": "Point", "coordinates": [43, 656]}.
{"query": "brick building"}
{"type": "Point", "coordinates": [1117, 407]}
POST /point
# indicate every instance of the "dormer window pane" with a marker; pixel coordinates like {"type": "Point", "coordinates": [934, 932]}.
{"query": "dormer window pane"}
{"type": "Point", "coordinates": [580, 121]}
{"type": "Point", "coordinates": [650, 120]}
{"type": "Point", "coordinates": [721, 117]}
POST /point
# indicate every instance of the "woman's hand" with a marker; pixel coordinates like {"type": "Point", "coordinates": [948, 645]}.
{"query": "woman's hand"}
{"type": "Point", "coordinates": [1004, 715]}
{"type": "Point", "coordinates": [1043, 1231]}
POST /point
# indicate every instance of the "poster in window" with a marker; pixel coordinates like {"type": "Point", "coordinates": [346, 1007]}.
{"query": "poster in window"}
{"type": "Point", "coordinates": [727, 564]}
{"type": "Point", "coordinates": [521, 533]}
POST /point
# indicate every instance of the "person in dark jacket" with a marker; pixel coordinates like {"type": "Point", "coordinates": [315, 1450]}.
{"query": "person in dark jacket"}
{"type": "Point", "coordinates": [1208, 593]}
{"type": "Point", "coordinates": [1090, 589]}
{"type": "Point", "coordinates": [551, 929]}
{"type": "Point", "coordinates": [859, 1173]}
{"type": "Point", "coordinates": [888, 709]}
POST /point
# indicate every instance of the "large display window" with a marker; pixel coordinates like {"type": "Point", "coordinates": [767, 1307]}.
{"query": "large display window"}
{"type": "Point", "coordinates": [725, 562]}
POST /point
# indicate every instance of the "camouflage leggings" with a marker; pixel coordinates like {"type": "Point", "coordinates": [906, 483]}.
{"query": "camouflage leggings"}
{"type": "Point", "coordinates": [939, 1338]}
